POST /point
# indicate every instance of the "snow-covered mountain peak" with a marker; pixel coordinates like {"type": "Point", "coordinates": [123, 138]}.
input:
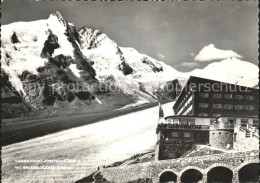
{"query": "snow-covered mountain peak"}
{"type": "Point", "coordinates": [28, 46]}
{"type": "Point", "coordinates": [59, 17]}
{"type": "Point", "coordinates": [91, 37]}
{"type": "Point", "coordinates": [231, 70]}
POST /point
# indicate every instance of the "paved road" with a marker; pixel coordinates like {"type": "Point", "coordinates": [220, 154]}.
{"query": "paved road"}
{"type": "Point", "coordinates": [93, 145]}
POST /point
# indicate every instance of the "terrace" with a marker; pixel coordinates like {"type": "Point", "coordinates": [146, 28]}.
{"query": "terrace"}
{"type": "Point", "coordinates": [162, 126]}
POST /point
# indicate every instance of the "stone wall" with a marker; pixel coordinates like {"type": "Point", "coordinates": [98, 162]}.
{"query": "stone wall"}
{"type": "Point", "coordinates": [221, 138]}
{"type": "Point", "coordinates": [152, 170]}
{"type": "Point", "coordinates": [171, 151]}
{"type": "Point", "coordinates": [241, 142]}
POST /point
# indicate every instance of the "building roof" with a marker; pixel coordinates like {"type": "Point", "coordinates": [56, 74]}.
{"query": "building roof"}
{"type": "Point", "coordinates": [228, 116]}
{"type": "Point", "coordinates": [183, 116]}
{"type": "Point", "coordinates": [237, 116]}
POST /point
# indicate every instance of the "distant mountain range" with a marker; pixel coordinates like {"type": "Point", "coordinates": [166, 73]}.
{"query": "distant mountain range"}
{"type": "Point", "coordinates": [52, 52]}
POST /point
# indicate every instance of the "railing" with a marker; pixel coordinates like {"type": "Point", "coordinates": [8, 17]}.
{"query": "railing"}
{"type": "Point", "coordinates": [257, 136]}
{"type": "Point", "coordinates": [175, 141]}
{"type": "Point", "coordinates": [243, 131]}
{"type": "Point", "coordinates": [253, 132]}
{"type": "Point", "coordinates": [251, 128]}
{"type": "Point", "coordinates": [180, 126]}
{"type": "Point", "coordinates": [240, 129]}
{"type": "Point", "coordinates": [221, 126]}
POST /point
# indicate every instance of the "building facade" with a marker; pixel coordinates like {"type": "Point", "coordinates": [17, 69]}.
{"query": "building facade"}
{"type": "Point", "coordinates": [209, 98]}
{"type": "Point", "coordinates": [176, 135]}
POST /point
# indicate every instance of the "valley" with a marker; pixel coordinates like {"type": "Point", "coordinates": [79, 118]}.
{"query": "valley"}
{"type": "Point", "coordinates": [17, 130]}
{"type": "Point", "coordinates": [92, 145]}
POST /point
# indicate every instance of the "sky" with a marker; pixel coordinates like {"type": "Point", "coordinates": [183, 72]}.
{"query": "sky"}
{"type": "Point", "coordinates": [185, 35]}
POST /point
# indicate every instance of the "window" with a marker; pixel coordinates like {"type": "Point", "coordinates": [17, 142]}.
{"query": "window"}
{"type": "Point", "coordinates": [228, 106]}
{"type": "Point", "coordinates": [203, 114]}
{"type": "Point", "coordinates": [249, 107]}
{"type": "Point", "coordinates": [176, 121]}
{"type": "Point", "coordinates": [228, 96]}
{"type": "Point", "coordinates": [231, 121]}
{"type": "Point", "coordinates": [191, 121]}
{"type": "Point", "coordinates": [183, 121]}
{"type": "Point", "coordinates": [250, 97]}
{"type": "Point", "coordinates": [212, 121]}
{"type": "Point", "coordinates": [255, 122]}
{"type": "Point", "coordinates": [204, 95]}
{"type": "Point", "coordinates": [217, 95]}
{"type": "Point", "coordinates": [244, 122]}
{"type": "Point", "coordinates": [217, 106]}
{"type": "Point", "coordinates": [203, 105]}
{"type": "Point", "coordinates": [169, 120]}
{"type": "Point", "coordinates": [186, 134]}
{"type": "Point", "coordinates": [239, 107]}
{"type": "Point", "coordinates": [175, 134]}
{"type": "Point", "coordinates": [215, 115]}
{"type": "Point", "coordinates": [239, 97]}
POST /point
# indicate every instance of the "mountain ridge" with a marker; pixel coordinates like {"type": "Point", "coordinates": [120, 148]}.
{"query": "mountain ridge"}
{"type": "Point", "coordinates": [52, 51]}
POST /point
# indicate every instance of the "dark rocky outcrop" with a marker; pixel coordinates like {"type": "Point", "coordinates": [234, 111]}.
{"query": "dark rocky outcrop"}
{"type": "Point", "coordinates": [88, 73]}
{"type": "Point", "coordinates": [50, 85]}
{"type": "Point", "coordinates": [75, 34]}
{"type": "Point", "coordinates": [12, 105]}
{"type": "Point", "coordinates": [62, 61]}
{"type": "Point", "coordinates": [14, 38]}
{"type": "Point", "coordinates": [125, 68]}
{"type": "Point", "coordinates": [50, 45]}
{"type": "Point", "coordinates": [172, 89]}
{"type": "Point", "coordinates": [145, 60]}
{"type": "Point", "coordinates": [8, 94]}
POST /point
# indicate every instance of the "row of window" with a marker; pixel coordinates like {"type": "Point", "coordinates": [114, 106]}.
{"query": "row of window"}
{"type": "Point", "coordinates": [228, 96]}
{"type": "Point", "coordinates": [203, 114]}
{"type": "Point", "coordinates": [206, 114]}
{"type": "Point", "coordinates": [176, 134]}
{"type": "Point", "coordinates": [244, 122]}
{"type": "Point", "coordinates": [220, 133]}
{"type": "Point", "coordinates": [181, 121]}
{"type": "Point", "coordinates": [227, 106]}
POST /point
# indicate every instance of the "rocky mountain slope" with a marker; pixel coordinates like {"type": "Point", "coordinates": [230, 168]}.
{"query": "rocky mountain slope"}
{"type": "Point", "coordinates": [37, 55]}
{"type": "Point", "coordinates": [44, 60]}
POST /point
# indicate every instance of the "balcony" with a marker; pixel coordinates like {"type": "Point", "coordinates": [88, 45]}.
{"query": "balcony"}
{"type": "Point", "coordinates": [221, 126]}
{"type": "Point", "coordinates": [182, 126]}
{"type": "Point", "coordinates": [175, 141]}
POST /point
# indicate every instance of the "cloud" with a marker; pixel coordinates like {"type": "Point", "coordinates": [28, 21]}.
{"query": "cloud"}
{"type": "Point", "coordinates": [210, 52]}
{"type": "Point", "coordinates": [189, 64]}
{"type": "Point", "coordinates": [192, 54]}
{"type": "Point", "coordinates": [161, 56]}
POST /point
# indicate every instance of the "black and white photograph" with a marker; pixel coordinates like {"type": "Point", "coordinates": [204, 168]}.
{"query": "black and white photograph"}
{"type": "Point", "coordinates": [129, 91]}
